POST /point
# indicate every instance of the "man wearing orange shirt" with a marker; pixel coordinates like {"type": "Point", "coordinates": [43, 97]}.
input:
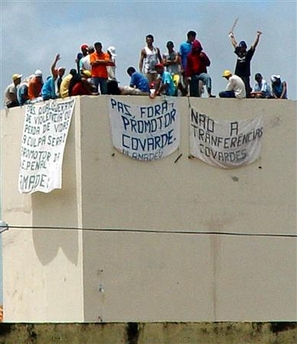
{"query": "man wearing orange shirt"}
{"type": "Point", "coordinates": [99, 61]}
{"type": "Point", "coordinates": [35, 86]}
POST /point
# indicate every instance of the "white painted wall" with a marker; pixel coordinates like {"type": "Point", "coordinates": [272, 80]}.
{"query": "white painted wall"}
{"type": "Point", "coordinates": [54, 275]}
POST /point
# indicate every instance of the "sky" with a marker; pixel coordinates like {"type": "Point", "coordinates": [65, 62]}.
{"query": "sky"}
{"type": "Point", "coordinates": [33, 32]}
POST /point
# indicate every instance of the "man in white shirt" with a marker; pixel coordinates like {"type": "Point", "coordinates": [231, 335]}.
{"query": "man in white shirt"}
{"type": "Point", "coordinates": [149, 57]}
{"type": "Point", "coordinates": [235, 87]}
{"type": "Point", "coordinates": [10, 95]}
{"type": "Point", "coordinates": [261, 88]}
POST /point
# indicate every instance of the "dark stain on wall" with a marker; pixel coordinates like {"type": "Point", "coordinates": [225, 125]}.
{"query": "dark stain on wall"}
{"type": "Point", "coordinates": [132, 333]}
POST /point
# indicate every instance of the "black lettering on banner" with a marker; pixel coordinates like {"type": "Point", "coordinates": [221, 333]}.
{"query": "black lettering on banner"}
{"type": "Point", "coordinates": [232, 156]}
{"type": "Point", "coordinates": [120, 107]}
{"type": "Point", "coordinates": [202, 121]}
{"type": "Point", "coordinates": [142, 126]}
{"type": "Point", "coordinates": [30, 109]}
{"type": "Point", "coordinates": [154, 110]}
{"type": "Point", "coordinates": [144, 156]}
{"type": "Point", "coordinates": [45, 130]}
{"type": "Point", "coordinates": [56, 140]}
{"type": "Point", "coordinates": [29, 119]}
{"type": "Point", "coordinates": [29, 182]}
{"type": "Point", "coordinates": [148, 144]}
{"type": "Point", "coordinates": [234, 127]}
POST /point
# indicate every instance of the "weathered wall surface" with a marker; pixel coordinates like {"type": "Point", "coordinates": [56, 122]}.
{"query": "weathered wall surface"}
{"type": "Point", "coordinates": [150, 333]}
{"type": "Point", "coordinates": [149, 277]}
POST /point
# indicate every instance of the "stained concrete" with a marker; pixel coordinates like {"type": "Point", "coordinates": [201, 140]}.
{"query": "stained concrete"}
{"type": "Point", "coordinates": [150, 333]}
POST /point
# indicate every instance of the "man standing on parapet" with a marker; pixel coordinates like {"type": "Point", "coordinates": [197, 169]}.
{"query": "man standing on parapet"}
{"type": "Point", "coordinates": [244, 57]}
{"type": "Point", "coordinates": [149, 57]}
{"type": "Point", "coordinates": [184, 49]}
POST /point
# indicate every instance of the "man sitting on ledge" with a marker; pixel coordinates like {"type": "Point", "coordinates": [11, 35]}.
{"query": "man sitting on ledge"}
{"type": "Point", "coordinates": [139, 84]}
{"type": "Point", "coordinates": [235, 87]}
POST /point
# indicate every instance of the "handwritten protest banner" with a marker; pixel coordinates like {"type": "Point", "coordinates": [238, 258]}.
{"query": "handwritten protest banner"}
{"type": "Point", "coordinates": [146, 132]}
{"type": "Point", "coordinates": [45, 131]}
{"type": "Point", "coordinates": [225, 144]}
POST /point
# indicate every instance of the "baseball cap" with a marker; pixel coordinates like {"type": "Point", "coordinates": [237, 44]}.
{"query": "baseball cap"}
{"type": "Point", "coordinates": [242, 44]}
{"type": "Point", "coordinates": [112, 50]}
{"type": "Point", "coordinates": [227, 72]}
{"type": "Point", "coordinates": [84, 46]}
{"type": "Point", "coordinates": [86, 73]}
{"type": "Point", "coordinates": [275, 77]}
{"type": "Point", "coordinates": [38, 72]}
{"type": "Point", "coordinates": [159, 65]}
{"type": "Point", "coordinates": [16, 76]}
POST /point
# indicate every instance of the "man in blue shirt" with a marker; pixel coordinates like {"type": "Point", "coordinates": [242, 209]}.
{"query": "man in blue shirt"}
{"type": "Point", "coordinates": [48, 89]}
{"type": "Point", "coordinates": [184, 49]}
{"type": "Point", "coordinates": [261, 88]}
{"type": "Point", "coordinates": [139, 84]}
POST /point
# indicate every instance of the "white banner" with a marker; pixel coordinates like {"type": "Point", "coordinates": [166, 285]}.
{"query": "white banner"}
{"type": "Point", "coordinates": [145, 132]}
{"type": "Point", "coordinates": [226, 144]}
{"type": "Point", "coordinates": [45, 131]}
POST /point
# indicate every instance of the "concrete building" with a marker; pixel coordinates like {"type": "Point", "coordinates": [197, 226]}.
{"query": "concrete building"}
{"type": "Point", "coordinates": [120, 241]}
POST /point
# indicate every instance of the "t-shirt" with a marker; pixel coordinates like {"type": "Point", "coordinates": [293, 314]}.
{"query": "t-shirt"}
{"type": "Point", "coordinates": [243, 64]}
{"type": "Point", "coordinates": [10, 94]}
{"type": "Point", "coordinates": [139, 81]}
{"type": "Point", "coordinates": [172, 68]}
{"type": "Point", "coordinates": [184, 49]}
{"type": "Point", "coordinates": [167, 79]}
{"type": "Point", "coordinates": [84, 63]}
{"type": "Point", "coordinates": [99, 70]}
{"type": "Point", "coordinates": [197, 63]}
{"type": "Point", "coordinates": [278, 89]}
{"type": "Point", "coordinates": [34, 88]}
{"type": "Point", "coordinates": [236, 84]}
{"type": "Point", "coordinates": [23, 93]}
{"type": "Point", "coordinates": [48, 89]}
{"type": "Point", "coordinates": [262, 87]}
{"type": "Point", "coordinates": [80, 89]}
{"type": "Point", "coordinates": [111, 70]}
{"type": "Point", "coordinates": [64, 86]}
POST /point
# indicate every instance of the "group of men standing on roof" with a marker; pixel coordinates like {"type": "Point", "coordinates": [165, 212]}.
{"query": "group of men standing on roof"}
{"type": "Point", "coordinates": [188, 70]}
{"type": "Point", "coordinates": [173, 73]}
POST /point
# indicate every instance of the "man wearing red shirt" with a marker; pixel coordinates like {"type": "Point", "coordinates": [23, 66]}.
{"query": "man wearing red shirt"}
{"type": "Point", "coordinates": [99, 61]}
{"type": "Point", "coordinates": [197, 61]}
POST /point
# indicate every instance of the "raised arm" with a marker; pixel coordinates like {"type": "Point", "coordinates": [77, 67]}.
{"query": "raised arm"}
{"type": "Point", "coordinates": [259, 33]}
{"type": "Point", "coordinates": [233, 39]}
{"type": "Point", "coordinates": [53, 67]}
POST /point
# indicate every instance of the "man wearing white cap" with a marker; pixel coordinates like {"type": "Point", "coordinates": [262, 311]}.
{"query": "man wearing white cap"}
{"type": "Point", "coordinates": [235, 87]}
{"type": "Point", "coordinates": [11, 99]}
{"type": "Point", "coordinates": [279, 87]}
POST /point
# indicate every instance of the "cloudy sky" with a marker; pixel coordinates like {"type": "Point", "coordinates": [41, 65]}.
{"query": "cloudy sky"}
{"type": "Point", "coordinates": [33, 32]}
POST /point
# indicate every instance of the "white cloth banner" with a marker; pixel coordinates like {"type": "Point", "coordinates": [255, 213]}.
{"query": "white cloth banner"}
{"type": "Point", "coordinates": [144, 132]}
{"type": "Point", "coordinates": [225, 144]}
{"type": "Point", "coordinates": [45, 131]}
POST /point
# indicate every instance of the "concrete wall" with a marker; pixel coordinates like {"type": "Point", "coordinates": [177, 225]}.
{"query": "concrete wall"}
{"type": "Point", "coordinates": [150, 333]}
{"type": "Point", "coordinates": [53, 275]}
